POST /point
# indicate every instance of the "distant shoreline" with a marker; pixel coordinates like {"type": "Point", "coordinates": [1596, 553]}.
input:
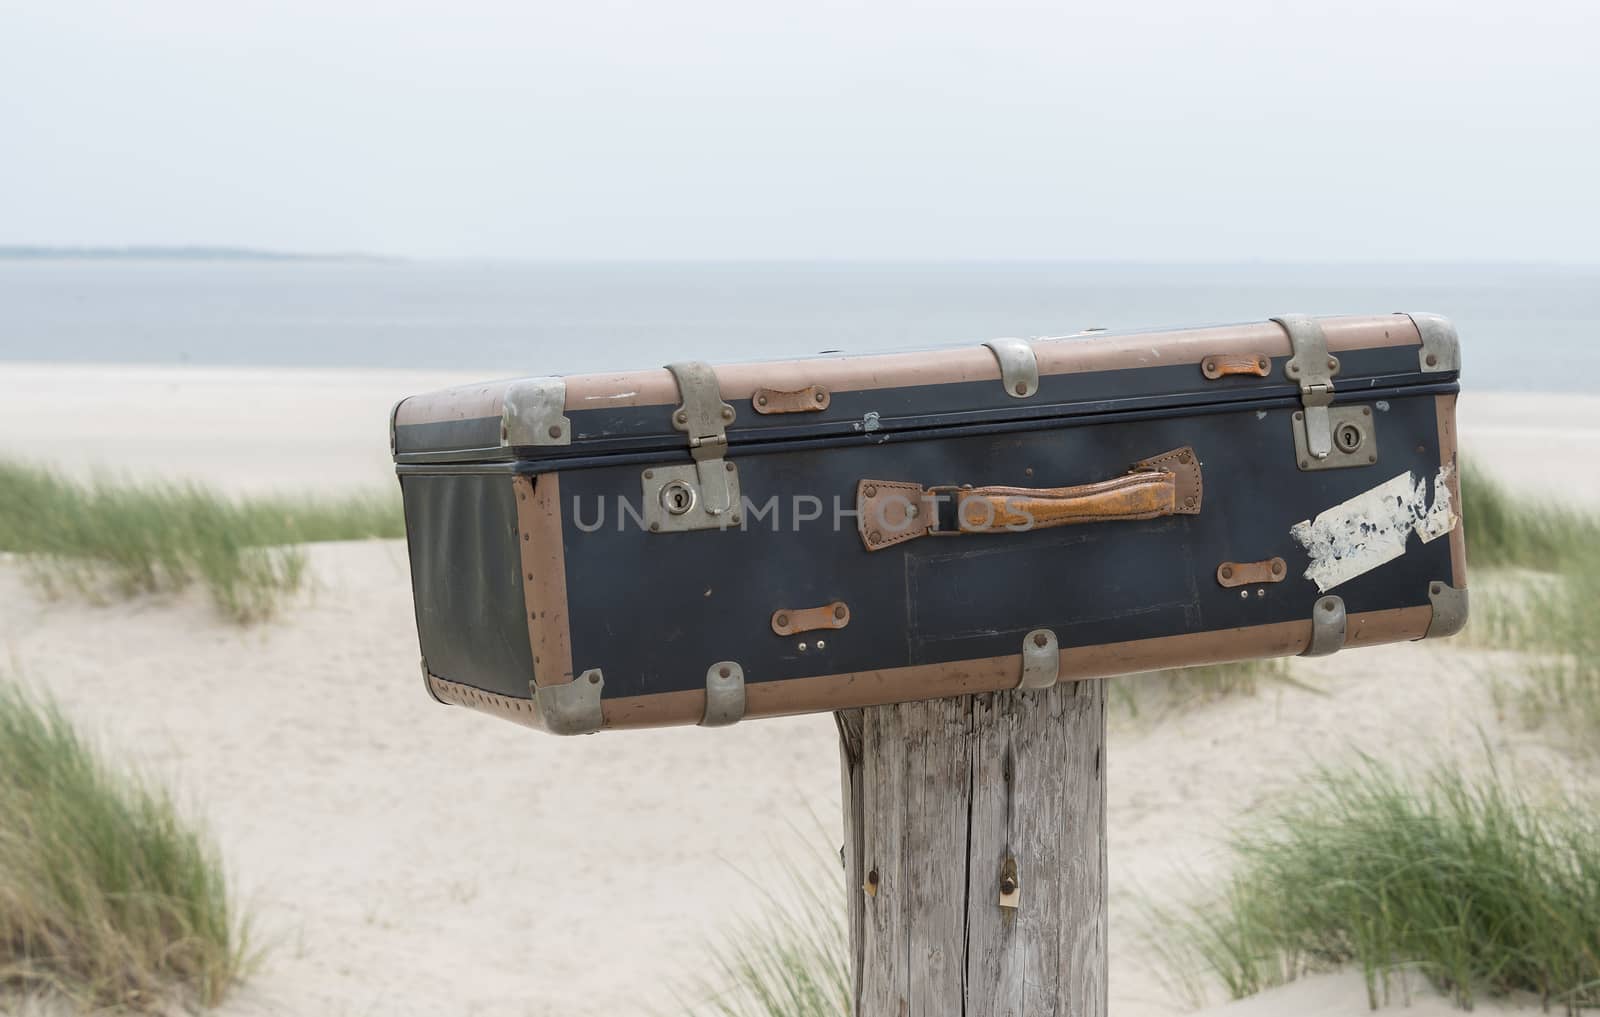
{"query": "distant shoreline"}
{"type": "Point", "coordinates": [146, 252]}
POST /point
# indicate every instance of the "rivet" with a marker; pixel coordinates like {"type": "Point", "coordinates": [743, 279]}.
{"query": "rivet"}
{"type": "Point", "coordinates": [1333, 363]}
{"type": "Point", "coordinates": [1028, 472]}
{"type": "Point", "coordinates": [1277, 566]}
{"type": "Point", "coordinates": [655, 526]}
{"type": "Point", "coordinates": [649, 473]}
{"type": "Point", "coordinates": [1188, 502]}
{"type": "Point", "coordinates": [1244, 594]}
{"type": "Point", "coordinates": [1262, 363]}
{"type": "Point", "coordinates": [821, 644]}
{"type": "Point", "coordinates": [1436, 588]}
{"type": "Point", "coordinates": [822, 395]}
{"type": "Point", "coordinates": [727, 413]}
{"type": "Point", "coordinates": [555, 430]}
{"type": "Point", "coordinates": [871, 491]}
{"type": "Point", "coordinates": [839, 611]}
{"type": "Point", "coordinates": [1183, 457]}
{"type": "Point", "coordinates": [1041, 640]}
{"type": "Point", "coordinates": [724, 672]}
{"type": "Point", "coordinates": [1022, 388]}
{"type": "Point", "coordinates": [1299, 416]}
{"type": "Point", "coordinates": [530, 577]}
{"type": "Point", "coordinates": [782, 620]}
{"type": "Point", "coordinates": [682, 416]}
{"type": "Point", "coordinates": [875, 537]}
{"type": "Point", "coordinates": [1372, 459]}
{"type": "Point", "coordinates": [761, 400]}
{"type": "Point", "coordinates": [802, 647]}
{"type": "Point", "coordinates": [1303, 464]}
{"type": "Point", "coordinates": [1211, 365]}
{"type": "Point", "coordinates": [729, 467]}
{"type": "Point", "coordinates": [594, 679]}
{"type": "Point", "coordinates": [1261, 591]}
{"type": "Point", "coordinates": [1227, 572]}
{"type": "Point", "coordinates": [1433, 361]}
{"type": "Point", "coordinates": [1366, 411]}
{"type": "Point", "coordinates": [526, 536]}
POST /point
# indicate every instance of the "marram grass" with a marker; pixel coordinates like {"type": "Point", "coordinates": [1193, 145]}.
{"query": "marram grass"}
{"type": "Point", "coordinates": [1549, 618]}
{"type": "Point", "coordinates": [108, 897]}
{"type": "Point", "coordinates": [791, 961]}
{"type": "Point", "coordinates": [1465, 882]}
{"type": "Point", "coordinates": [110, 539]}
{"type": "Point", "coordinates": [1504, 529]}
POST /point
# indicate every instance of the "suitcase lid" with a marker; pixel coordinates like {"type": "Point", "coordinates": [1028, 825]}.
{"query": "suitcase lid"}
{"type": "Point", "coordinates": [537, 424]}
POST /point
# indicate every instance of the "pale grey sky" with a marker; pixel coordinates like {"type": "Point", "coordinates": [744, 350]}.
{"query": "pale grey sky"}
{"type": "Point", "coordinates": [1164, 130]}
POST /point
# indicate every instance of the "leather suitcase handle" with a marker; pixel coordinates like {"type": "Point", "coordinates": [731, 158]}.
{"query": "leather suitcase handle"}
{"type": "Point", "coordinates": [891, 512]}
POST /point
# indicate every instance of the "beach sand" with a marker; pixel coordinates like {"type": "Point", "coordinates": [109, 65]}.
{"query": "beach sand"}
{"type": "Point", "coordinates": [406, 858]}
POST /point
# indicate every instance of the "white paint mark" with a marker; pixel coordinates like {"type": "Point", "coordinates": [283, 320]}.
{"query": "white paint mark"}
{"type": "Point", "coordinates": [1382, 405]}
{"type": "Point", "coordinates": [619, 395]}
{"type": "Point", "coordinates": [1356, 536]}
{"type": "Point", "coordinates": [869, 422]}
{"type": "Point", "coordinates": [1261, 414]}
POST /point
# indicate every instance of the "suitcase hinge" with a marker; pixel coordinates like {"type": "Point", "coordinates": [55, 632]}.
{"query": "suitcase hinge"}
{"type": "Point", "coordinates": [1019, 367]}
{"type": "Point", "coordinates": [705, 418]}
{"type": "Point", "coordinates": [1313, 367]}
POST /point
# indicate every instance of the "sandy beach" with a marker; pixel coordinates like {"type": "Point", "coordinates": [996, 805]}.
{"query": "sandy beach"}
{"type": "Point", "coordinates": [404, 858]}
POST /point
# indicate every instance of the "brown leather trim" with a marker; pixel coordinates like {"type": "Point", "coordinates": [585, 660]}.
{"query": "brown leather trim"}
{"type": "Point", "coordinates": [518, 711]}
{"type": "Point", "coordinates": [791, 621]}
{"type": "Point", "coordinates": [811, 399]}
{"type": "Point", "coordinates": [464, 402]}
{"type": "Point", "coordinates": [1224, 365]}
{"type": "Point", "coordinates": [959, 678]}
{"type": "Point", "coordinates": [1445, 409]}
{"type": "Point", "coordinates": [1057, 355]}
{"type": "Point", "coordinates": [1250, 573]}
{"type": "Point", "coordinates": [544, 577]}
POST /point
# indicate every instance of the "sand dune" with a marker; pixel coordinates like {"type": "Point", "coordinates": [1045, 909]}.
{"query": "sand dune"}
{"type": "Point", "coordinates": [407, 858]}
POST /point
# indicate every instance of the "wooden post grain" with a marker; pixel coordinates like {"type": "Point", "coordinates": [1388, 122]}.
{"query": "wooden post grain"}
{"type": "Point", "coordinates": [950, 803]}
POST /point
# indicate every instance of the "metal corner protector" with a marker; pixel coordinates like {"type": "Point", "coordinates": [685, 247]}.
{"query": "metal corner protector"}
{"type": "Point", "coordinates": [572, 708]}
{"type": "Point", "coordinates": [1449, 610]}
{"type": "Point", "coordinates": [532, 413]}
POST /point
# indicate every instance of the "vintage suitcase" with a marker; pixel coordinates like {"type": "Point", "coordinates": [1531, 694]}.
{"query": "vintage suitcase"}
{"type": "Point", "coordinates": [697, 545]}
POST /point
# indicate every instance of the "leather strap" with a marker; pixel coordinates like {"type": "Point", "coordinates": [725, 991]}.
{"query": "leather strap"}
{"type": "Point", "coordinates": [892, 512]}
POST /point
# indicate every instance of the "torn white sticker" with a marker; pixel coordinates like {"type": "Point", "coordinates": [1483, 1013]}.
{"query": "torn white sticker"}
{"type": "Point", "coordinates": [1356, 536]}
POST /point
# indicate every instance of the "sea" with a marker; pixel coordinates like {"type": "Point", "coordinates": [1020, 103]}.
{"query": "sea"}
{"type": "Point", "coordinates": [1523, 327]}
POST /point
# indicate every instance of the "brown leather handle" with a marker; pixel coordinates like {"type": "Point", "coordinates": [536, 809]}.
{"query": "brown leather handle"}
{"type": "Point", "coordinates": [891, 512]}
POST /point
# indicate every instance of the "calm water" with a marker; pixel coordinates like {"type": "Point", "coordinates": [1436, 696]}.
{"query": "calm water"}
{"type": "Point", "coordinates": [1522, 327]}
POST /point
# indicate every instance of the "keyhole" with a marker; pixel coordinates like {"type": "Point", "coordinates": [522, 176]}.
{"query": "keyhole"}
{"type": "Point", "coordinates": [677, 497]}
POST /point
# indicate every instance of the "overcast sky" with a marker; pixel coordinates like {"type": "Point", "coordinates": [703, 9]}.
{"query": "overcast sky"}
{"type": "Point", "coordinates": [1165, 130]}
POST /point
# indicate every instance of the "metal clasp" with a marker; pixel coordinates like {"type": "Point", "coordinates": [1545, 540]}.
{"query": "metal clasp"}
{"type": "Point", "coordinates": [704, 417]}
{"type": "Point", "coordinates": [1314, 368]}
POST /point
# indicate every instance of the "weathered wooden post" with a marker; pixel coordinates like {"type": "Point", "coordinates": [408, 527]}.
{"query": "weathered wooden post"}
{"type": "Point", "coordinates": [975, 854]}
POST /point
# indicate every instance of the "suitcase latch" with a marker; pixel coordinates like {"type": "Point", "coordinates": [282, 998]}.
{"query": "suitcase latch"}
{"type": "Point", "coordinates": [1326, 437]}
{"type": "Point", "coordinates": [703, 496]}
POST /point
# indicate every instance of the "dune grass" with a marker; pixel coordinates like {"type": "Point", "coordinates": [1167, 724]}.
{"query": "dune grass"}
{"type": "Point", "coordinates": [110, 539]}
{"type": "Point", "coordinates": [1549, 619]}
{"type": "Point", "coordinates": [1503, 529]}
{"type": "Point", "coordinates": [108, 897]}
{"type": "Point", "coordinates": [1468, 883]}
{"type": "Point", "coordinates": [792, 961]}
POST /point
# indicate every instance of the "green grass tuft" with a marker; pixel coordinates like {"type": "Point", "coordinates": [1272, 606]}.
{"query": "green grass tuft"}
{"type": "Point", "coordinates": [107, 896]}
{"type": "Point", "coordinates": [124, 539]}
{"type": "Point", "coordinates": [1503, 529]}
{"type": "Point", "coordinates": [793, 961]}
{"type": "Point", "coordinates": [1468, 883]}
